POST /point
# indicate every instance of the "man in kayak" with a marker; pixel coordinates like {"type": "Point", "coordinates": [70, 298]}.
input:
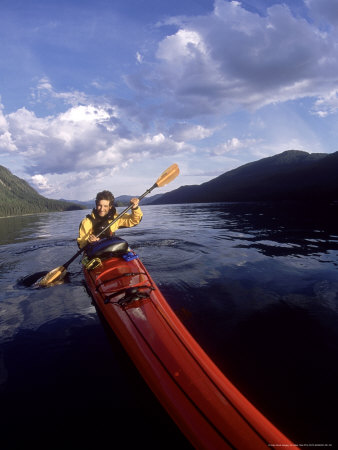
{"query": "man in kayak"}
{"type": "Point", "coordinates": [102, 215]}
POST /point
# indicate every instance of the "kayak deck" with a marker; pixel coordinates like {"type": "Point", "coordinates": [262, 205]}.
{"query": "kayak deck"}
{"type": "Point", "coordinates": [204, 404]}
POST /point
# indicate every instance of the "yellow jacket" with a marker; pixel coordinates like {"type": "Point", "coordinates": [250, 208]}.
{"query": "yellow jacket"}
{"type": "Point", "coordinates": [125, 221]}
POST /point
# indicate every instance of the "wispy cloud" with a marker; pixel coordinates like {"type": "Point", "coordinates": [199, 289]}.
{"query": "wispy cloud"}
{"type": "Point", "coordinates": [323, 11]}
{"type": "Point", "coordinates": [234, 145]}
{"type": "Point", "coordinates": [45, 93]}
{"type": "Point", "coordinates": [234, 59]}
{"type": "Point", "coordinates": [327, 104]}
{"type": "Point", "coordinates": [187, 132]}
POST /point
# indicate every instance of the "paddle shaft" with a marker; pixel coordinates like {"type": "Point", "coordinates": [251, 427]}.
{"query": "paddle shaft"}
{"type": "Point", "coordinates": [78, 253]}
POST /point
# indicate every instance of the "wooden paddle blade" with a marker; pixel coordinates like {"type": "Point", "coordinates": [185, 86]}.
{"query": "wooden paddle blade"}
{"type": "Point", "coordinates": [168, 175]}
{"type": "Point", "coordinates": [53, 277]}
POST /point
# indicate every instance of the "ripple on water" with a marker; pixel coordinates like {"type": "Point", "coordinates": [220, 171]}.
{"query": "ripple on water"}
{"type": "Point", "coordinates": [251, 282]}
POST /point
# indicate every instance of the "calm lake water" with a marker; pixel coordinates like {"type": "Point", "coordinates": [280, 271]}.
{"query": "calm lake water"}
{"type": "Point", "coordinates": [255, 284]}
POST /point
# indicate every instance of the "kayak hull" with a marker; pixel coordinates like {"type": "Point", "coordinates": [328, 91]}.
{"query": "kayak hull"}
{"type": "Point", "coordinates": [205, 405]}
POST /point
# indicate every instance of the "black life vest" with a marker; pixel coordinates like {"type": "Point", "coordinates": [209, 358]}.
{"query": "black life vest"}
{"type": "Point", "coordinates": [99, 223]}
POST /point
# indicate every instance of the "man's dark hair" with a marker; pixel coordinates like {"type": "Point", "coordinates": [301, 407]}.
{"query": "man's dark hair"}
{"type": "Point", "coordinates": [105, 195]}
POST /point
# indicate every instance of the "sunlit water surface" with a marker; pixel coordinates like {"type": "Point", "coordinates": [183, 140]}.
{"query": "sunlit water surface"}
{"type": "Point", "coordinates": [255, 284]}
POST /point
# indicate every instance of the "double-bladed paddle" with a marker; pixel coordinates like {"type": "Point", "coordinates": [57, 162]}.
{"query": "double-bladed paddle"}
{"type": "Point", "coordinates": [59, 272]}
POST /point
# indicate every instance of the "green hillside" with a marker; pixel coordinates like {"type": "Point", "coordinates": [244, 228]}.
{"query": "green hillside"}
{"type": "Point", "coordinates": [17, 197]}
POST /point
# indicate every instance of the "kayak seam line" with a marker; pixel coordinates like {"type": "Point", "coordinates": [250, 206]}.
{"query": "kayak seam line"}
{"type": "Point", "coordinates": [208, 376]}
{"type": "Point", "coordinates": [219, 432]}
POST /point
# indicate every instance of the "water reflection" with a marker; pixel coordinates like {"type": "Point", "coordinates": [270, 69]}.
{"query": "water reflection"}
{"type": "Point", "coordinates": [272, 229]}
{"type": "Point", "coordinates": [15, 228]}
{"type": "Point", "coordinates": [39, 226]}
{"type": "Point", "coordinates": [256, 284]}
{"type": "Point", "coordinates": [67, 380]}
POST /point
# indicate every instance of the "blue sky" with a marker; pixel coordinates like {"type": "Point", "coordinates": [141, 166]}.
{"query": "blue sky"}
{"type": "Point", "coordinates": [106, 94]}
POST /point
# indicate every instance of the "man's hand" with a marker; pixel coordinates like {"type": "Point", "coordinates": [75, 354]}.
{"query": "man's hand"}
{"type": "Point", "coordinates": [134, 202]}
{"type": "Point", "coordinates": [93, 238]}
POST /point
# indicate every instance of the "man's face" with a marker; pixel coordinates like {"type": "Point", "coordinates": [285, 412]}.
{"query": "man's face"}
{"type": "Point", "coordinates": [103, 207]}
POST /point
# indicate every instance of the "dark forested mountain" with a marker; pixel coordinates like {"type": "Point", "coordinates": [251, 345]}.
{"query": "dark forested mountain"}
{"type": "Point", "coordinates": [17, 197]}
{"type": "Point", "coordinates": [124, 200]}
{"type": "Point", "coordinates": [292, 175]}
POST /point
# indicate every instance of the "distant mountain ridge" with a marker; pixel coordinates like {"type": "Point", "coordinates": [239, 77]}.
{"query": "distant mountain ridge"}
{"type": "Point", "coordinates": [292, 175]}
{"type": "Point", "coordinates": [121, 200]}
{"type": "Point", "coordinates": [17, 197]}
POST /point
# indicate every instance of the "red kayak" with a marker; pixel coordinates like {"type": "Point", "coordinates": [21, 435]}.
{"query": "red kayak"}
{"type": "Point", "coordinates": [204, 404]}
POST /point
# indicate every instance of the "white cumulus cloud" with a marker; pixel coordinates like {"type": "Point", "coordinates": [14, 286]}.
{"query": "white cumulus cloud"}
{"type": "Point", "coordinates": [41, 183]}
{"type": "Point", "coordinates": [6, 142]}
{"type": "Point", "coordinates": [83, 142]}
